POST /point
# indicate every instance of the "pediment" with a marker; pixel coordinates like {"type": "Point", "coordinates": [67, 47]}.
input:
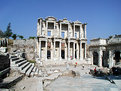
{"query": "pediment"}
{"type": "Point", "coordinates": [50, 18]}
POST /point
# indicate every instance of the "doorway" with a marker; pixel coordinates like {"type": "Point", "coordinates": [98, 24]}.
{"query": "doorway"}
{"type": "Point", "coordinates": [63, 54]}
{"type": "Point", "coordinates": [95, 58]}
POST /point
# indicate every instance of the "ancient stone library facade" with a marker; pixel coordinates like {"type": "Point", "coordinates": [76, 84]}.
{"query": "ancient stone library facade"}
{"type": "Point", "coordinates": [106, 52]}
{"type": "Point", "coordinates": [61, 40]}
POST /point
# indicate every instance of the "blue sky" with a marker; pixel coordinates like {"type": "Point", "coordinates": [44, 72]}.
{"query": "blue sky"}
{"type": "Point", "coordinates": [103, 16]}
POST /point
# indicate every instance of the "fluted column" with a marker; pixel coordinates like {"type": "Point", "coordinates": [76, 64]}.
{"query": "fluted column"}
{"type": "Point", "coordinates": [54, 50]}
{"type": "Point", "coordinates": [60, 30]}
{"type": "Point", "coordinates": [100, 58]}
{"type": "Point", "coordinates": [111, 61]}
{"type": "Point", "coordinates": [46, 28]}
{"type": "Point", "coordinates": [40, 28]}
{"type": "Point", "coordinates": [51, 51]}
{"type": "Point", "coordinates": [85, 51]}
{"type": "Point", "coordinates": [68, 50]}
{"type": "Point", "coordinates": [40, 49]}
{"type": "Point", "coordinates": [73, 50]}
{"type": "Point", "coordinates": [74, 31]}
{"type": "Point", "coordinates": [80, 51]}
{"type": "Point", "coordinates": [80, 32]}
{"type": "Point", "coordinates": [85, 30]}
{"type": "Point", "coordinates": [38, 32]}
{"type": "Point", "coordinates": [77, 50]}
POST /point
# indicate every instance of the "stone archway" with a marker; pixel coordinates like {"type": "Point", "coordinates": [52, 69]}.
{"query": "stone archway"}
{"type": "Point", "coordinates": [95, 58]}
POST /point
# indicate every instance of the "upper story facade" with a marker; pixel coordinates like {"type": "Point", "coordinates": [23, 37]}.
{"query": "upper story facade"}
{"type": "Point", "coordinates": [50, 27]}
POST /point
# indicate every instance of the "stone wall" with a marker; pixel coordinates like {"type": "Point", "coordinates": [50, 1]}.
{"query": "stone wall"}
{"type": "Point", "coordinates": [4, 62]}
{"type": "Point", "coordinates": [28, 46]}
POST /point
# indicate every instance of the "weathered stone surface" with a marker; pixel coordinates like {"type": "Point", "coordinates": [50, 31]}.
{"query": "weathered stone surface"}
{"type": "Point", "coordinates": [29, 84]}
{"type": "Point", "coordinates": [27, 46]}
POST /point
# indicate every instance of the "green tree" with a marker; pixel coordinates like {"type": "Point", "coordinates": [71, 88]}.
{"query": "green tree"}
{"type": "Point", "coordinates": [20, 36]}
{"type": "Point", "coordinates": [14, 36]}
{"type": "Point", "coordinates": [1, 34]}
{"type": "Point", "coordinates": [32, 37]}
{"type": "Point", "coordinates": [8, 33]}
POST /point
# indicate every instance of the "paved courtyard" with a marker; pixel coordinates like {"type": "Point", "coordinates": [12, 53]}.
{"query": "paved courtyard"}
{"type": "Point", "coordinates": [85, 82]}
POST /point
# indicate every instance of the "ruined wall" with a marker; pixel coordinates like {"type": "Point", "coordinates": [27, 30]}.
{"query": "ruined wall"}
{"type": "Point", "coordinates": [28, 46]}
{"type": "Point", "coordinates": [4, 62]}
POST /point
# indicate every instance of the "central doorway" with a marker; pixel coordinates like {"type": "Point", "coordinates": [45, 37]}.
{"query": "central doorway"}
{"type": "Point", "coordinates": [62, 54]}
{"type": "Point", "coordinates": [48, 54]}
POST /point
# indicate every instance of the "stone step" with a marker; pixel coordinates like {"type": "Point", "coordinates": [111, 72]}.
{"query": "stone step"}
{"type": "Point", "coordinates": [22, 66]}
{"type": "Point", "coordinates": [26, 68]}
{"type": "Point", "coordinates": [19, 61]}
{"type": "Point", "coordinates": [30, 70]}
{"type": "Point", "coordinates": [34, 70]}
{"type": "Point", "coordinates": [31, 74]}
{"type": "Point", "coordinates": [22, 63]}
{"type": "Point", "coordinates": [13, 56]}
{"type": "Point", "coordinates": [10, 81]}
{"type": "Point", "coordinates": [25, 65]}
{"type": "Point", "coordinates": [14, 59]}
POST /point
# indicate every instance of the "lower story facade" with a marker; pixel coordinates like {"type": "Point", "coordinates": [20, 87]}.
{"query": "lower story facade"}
{"type": "Point", "coordinates": [57, 49]}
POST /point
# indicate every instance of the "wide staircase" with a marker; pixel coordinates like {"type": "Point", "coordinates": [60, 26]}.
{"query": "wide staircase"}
{"type": "Point", "coordinates": [23, 66]}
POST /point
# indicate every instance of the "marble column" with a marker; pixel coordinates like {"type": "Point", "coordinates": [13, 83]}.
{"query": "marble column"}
{"type": "Point", "coordinates": [46, 28]}
{"type": "Point", "coordinates": [80, 51]}
{"type": "Point", "coordinates": [100, 58]}
{"type": "Point", "coordinates": [85, 30]}
{"type": "Point", "coordinates": [80, 32]}
{"type": "Point", "coordinates": [53, 32]}
{"type": "Point", "coordinates": [68, 50]}
{"type": "Point", "coordinates": [60, 50]}
{"type": "Point", "coordinates": [54, 50]}
{"type": "Point", "coordinates": [40, 49]}
{"type": "Point", "coordinates": [40, 27]}
{"type": "Point", "coordinates": [60, 30]}
{"type": "Point", "coordinates": [74, 31]}
{"type": "Point", "coordinates": [85, 51]}
{"type": "Point", "coordinates": [51, 50]}
{"type": "Point", "coordinates": [111, 64]}
{"type": "Point", "coordinates": [77, 50]}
